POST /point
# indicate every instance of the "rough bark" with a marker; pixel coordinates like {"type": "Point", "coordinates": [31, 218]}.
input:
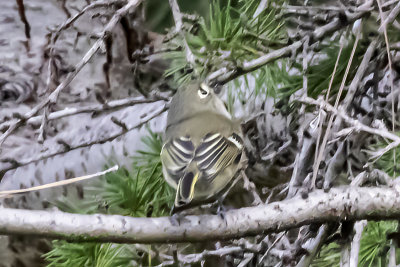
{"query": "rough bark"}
{"type": "Point", "coordinates": [350, 203]}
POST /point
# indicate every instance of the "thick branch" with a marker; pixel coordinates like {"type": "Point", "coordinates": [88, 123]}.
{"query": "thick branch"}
{"type": "Point", "coordinates": [349, 203]}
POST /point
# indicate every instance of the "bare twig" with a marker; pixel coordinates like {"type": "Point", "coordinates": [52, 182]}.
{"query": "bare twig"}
{"type": "Point", "coordinates": [332, 117]}
{"type": "Point", "coordinates": [42, 129]}
{"type": "Point", "coordinates": [250, 186]}
{"type": "Point", "coordinates": [21, 11]}
{"type": "Point", "coordinates": [390, 72]}
{"type": "Point", "coordinates": [96, 108]}
{"type": "Point", "coordinates": [317, 158]}
{"type": "Point", "coordinates": [67, 148]}
{"type": "Point", "coordinates": [359, 75]}
{"type": "Point", "coordinates": [68, 23]}
{"type": "Point", "coordinates": [357, 125]}
{"type": "Point", "coordinates": [225, 74]}
{"type": "Point", "coordinates": [178, 28]}
{"type": "Point", "coordinates": [270, 247]}
{"type": "Point", "coordinates": [351, 203]}
{"type": "Point", "coordinates": [314, 246]}
{"type": "Point", "coordinates": [303, 148]}
{"type": "Point", "coordinates": [10, 193]}
{"type": "Point", "coordinates": [389, 19]}
{"type": "Point", "coordinates": [54, 95]}
{"type": "Point", "coordinates": [355, 244]}
{"type": "Point", "coordinates": [392, 255]}
{"type": "Point", "coordinates": [193, 258]}
{"type": "Point", "coordinates": [72, 19]}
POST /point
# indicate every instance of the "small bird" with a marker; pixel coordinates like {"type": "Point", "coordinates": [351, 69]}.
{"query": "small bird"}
{"type": "Point", "coordinates": [203, 146]}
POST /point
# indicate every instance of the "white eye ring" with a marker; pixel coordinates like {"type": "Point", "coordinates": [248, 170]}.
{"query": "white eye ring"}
{"type": "Point", "coordinates": [203, 91]}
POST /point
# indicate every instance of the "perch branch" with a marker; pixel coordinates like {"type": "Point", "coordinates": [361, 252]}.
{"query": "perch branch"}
{"type": "Point", "coordinates": [347, 203]}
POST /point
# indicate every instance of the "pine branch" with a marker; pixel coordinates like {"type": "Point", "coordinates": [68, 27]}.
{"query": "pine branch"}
{"type": "Point", "coordinates": [349, 203]}
{"type": "Point", "coordinates": [225, 74]}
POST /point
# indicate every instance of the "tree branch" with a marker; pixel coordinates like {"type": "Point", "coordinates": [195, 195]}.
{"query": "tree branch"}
{"type": "Point", "coordinates": [70, 111]}
{"type": "Point", "coordinates": [225, 75]}
{"type": "Point", "coordinates": [16, 163]}
{"type": "Point", "coordinates": [349, 203]}
{"type": "Point", "coordinates": [357, 125]}
{"type": "Point", "coordinates": [89, 54]}
{"type": "Point", "coordinates": [355, 244]}
{"type": "Point", "coordinates": [178, 29]}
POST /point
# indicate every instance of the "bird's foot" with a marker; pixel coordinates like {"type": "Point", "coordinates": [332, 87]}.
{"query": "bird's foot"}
{"type": "Point", "coordinates": [221, 211]}
{"type": "Point", "coordinates": [175, 219]}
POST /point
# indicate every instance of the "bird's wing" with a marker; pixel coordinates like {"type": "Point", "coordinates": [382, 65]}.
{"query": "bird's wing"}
{"type": "Point", "coordinates": [216, 152]}
{"type": "Point", "coordinates": [176, 155]}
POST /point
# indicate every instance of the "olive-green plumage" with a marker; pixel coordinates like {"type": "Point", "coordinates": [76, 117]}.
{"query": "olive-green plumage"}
{"type": "Point", "coordinates": [203, 146]}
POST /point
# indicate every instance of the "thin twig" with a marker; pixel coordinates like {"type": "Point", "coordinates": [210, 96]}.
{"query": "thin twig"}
{"type": "Point", "coordinates": [193, 258]}
{"type": "Point", "coordinates": [72, 19]}
{"type": "Point", "coordinates": [89, 54]}
{"type": "Point", "coordinates": [303, 149]}
{"type": "Point", "coordinates": [359, 75]}
{"type": "Point", "coordinates": [21, 11]}
{"type": "Point", "coordinates": [225, 74]}
{"type": "Point", "coordinates": [314, 247]}
{"type": "Point", "coordinates": [357, 125]}
{"type": "Point", "coordinates": [67, 148]}
{"type": "Point", "coordinates": [326, 136]}
{"type": "Point", "coordinates": [389, 19]}
{"type": "Point", "coordinates": [96, 108]}
{"type": "Point", "coordinates": [68, 23]}
{"type": "Point", "coordinates": [322, 118]}
{"type": "Point", "coordinates": [270, 247]}
{"type": "Point", "coordinates": [11, 193]}
{"type": "Point", "coordinates": [178, 28]}
{"type": "Point", "coordinates": [390, 75]}
{"type": "Point", "coordinates": [249, 186]}
{"type": "Point", "coordinates": [43, 125]}
{"type": "Point", "coordinates": [355, 244]}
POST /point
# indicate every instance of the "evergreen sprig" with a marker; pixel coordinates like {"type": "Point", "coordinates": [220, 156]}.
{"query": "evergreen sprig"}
{"type": "Point", "coordinates": [388, 162]}
{"type": "Point", "coordinates": [140, 192]}
{"type": "Point", "coordinates": [231, 34]}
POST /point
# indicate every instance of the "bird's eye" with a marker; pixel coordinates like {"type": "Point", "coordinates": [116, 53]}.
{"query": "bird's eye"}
{"type": "Point", "coordinates": [203, 91]}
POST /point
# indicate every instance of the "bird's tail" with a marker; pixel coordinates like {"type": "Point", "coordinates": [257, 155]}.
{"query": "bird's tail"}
{"type": "Point", "coordinates": [185, 190]}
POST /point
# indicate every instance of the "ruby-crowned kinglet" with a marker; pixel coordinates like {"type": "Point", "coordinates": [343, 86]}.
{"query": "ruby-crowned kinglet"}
{"type": "Point", "coordinates": [203, 146]}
